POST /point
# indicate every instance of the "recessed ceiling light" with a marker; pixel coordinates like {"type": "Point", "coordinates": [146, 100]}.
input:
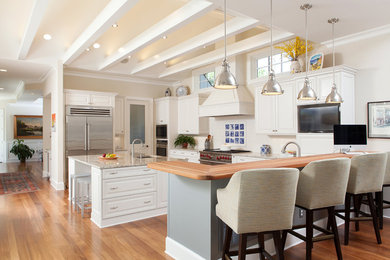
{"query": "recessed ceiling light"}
{"type": "Point", "coordinates": [121, 49]}
{"type": "Point", "coordinates": [165, 62]}
{"type": "Point", "coordinates": [204, 47]}
{"type": "Point", "coordinates": [96, 45]}
{"type": "Point", "coordinates": [3, 70]}
{"type": "Point", "coordinates": [115, 25]}
{"type": "Point", "coordinates": [47, 37]}
{"type": "Point", "coordinates": [129, 56]}
{"type": "Point", "coordinates": [165, 37]}
{"type": "Point", "coordinates": [87, 49]}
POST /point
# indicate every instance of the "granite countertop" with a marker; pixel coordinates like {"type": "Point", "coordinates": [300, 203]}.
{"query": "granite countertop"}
{"type": "Point", "coordinates": [124, 160]}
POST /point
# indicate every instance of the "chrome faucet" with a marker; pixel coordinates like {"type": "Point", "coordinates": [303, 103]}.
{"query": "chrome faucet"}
{"type": "Point", "coordinates": [297, 145]}
{"type": "Point", "coordinates": [132, 147]}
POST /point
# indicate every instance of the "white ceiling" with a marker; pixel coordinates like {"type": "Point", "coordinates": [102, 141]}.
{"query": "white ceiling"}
{"type": "Point", "coordinates": [194, 28]}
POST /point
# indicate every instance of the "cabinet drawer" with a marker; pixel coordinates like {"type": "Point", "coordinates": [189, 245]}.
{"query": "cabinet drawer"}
{"type": "Point", "coordinates": [241, 159]}
{"type": "Point", "coordinates": [129, 204]}
{"type": "Point", "coordinates": [127, 172]}
{"type": "Point", "coordinates": [128, 186]}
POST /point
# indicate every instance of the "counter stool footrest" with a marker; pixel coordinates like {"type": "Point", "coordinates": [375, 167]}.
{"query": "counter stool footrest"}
{"type": "Point", "coordinates": [323, 237]}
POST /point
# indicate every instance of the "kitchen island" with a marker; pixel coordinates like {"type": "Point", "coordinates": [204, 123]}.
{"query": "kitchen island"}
{"type": "Point", "coordinates": [194, 231]}
{"type": "Point", "coordinates": [123, 189]}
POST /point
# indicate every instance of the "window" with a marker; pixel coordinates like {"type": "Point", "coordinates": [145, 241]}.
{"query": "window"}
{"type": "Point", "coordinates": [206, 80]}
{"type": "Point", "coordinates": [280, 64]}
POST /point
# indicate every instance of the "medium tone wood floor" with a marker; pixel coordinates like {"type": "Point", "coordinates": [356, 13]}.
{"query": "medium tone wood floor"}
{"type": "Point", "coordinates": [42, 225]}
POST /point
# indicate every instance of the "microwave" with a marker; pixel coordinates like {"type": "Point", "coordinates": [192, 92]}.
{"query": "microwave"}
{"type": "Point", "coordinates": [161, 132]}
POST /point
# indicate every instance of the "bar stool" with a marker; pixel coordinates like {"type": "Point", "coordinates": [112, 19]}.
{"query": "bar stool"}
{"type": "Point", "coordinates": [322, 185]}
{"type": "Point", "coordinates": [257, 201]}
{"type": "Point", "coordinates": [72, 187]}
{"type": "Point", "coordinates": [83, 185]}
{"type": "Point", "coordinates": [366, 176]}
{"type": "Point", "coordinates": [383, 204]}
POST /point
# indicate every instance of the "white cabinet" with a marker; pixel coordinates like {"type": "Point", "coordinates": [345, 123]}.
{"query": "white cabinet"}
{"type": "Point", "coordinates": [242, 159]}
{"type": "Point", "coordinates": [162, 111]}
{"type": "Point", "coordinates": [119, 115]}
{"type": "Point", "coordinates": [276, 114]}
{"type": "Point", "coordinates": [190, 156]}
{"type": "Point", "coordinates": [189, 121]}
{"type": "Point", "coordinates": [162, 198]}
{"type": "Point", "coordinates": [89, 98]}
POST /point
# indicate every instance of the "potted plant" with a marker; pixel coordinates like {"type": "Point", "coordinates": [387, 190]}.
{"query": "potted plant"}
{"type": "Point", "coordinates": [293, 49]}
{"type": "Point", "coordinates": [184, 141]}
{"type": "Point", "coordinates": [21, 150]}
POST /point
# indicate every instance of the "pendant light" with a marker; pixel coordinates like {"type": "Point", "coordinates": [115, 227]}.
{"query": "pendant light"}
{"type": "Point", "coordinates": [271, 87]}
{"type": "Point", "coordinates": [334, 96]}
{"type": "Point", "coordinates": [306, 93]}
{"type": "Point", "coordinates": [225, 79]}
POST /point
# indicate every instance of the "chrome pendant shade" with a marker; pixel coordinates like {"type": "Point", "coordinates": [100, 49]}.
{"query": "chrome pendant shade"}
{"type": "Point", "coordinates": [334, 96]}
{"type": "Point", "coordinates": [307, 92]}
{"type": "Point", "coordinates": [225, 79]}
{"type": "Point", "coordinates": [271, 87]}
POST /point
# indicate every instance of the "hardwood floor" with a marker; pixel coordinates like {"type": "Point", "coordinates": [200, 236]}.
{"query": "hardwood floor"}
{"type": "Point", "coordinates": [42, 225]}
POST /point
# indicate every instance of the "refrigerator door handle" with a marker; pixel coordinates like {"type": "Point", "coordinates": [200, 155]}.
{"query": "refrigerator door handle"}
{"type": "Point", "coordinates": [86, 136]}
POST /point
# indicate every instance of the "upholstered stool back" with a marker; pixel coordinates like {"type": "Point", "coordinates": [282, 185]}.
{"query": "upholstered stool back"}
{"type": "Point", "coordinates": [323, 183]}
{"type": "Point", "coordinates": [386, 180]}
{"type": "Point", "coordinates": [367, 173]}
{"type": "Point", "coordinates": [258, 200]}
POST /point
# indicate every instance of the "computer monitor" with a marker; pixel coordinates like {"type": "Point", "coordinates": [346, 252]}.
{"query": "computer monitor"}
{"type": "Point", "coordinates": [350, 137]}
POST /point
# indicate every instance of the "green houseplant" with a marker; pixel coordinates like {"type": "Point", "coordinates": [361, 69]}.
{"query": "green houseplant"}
{"type": "Point", "coordinates": [21, 150]}
{"type": "Point", "coordinates": [184, 141]}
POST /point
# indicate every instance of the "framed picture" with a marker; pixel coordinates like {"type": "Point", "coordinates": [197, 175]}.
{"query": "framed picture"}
{"type": "Point", "coordinates": [28, 127]}
{"type": "Point", "coordinates": [316, 61]}
{"type": "Point", "coordinates": [378, 120]}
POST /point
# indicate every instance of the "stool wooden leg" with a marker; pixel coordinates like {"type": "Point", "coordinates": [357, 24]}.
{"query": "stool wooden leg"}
{"type": "Point", "coordinates": [226, 242]}
{"type": "Point", "coordinates": [242, 247]}
{"type": "Point", "coordinates": [278, 245]}
{"type": "Point", "coordinates": [309, 233]}
{"type": "Point", "coordinates": [347, 217]}
{"type": "Point", "coordinates": [284, 238]}
{"type": "Point", "coordinates": [332, 220]}
{"type": "Point", "coordinates": [374, 217]}
{"type": "Point", "coordinates": [356, 206]}
{"type": "Point", "coordinates": [379, 204]}
{"type": "Point", "coordinates": [260, 239]}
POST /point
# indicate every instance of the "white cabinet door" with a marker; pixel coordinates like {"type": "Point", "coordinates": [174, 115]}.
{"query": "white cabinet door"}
{"type": "Point", "coordinates": [119, 118]}
{"type": "Point", "coordinates": [183, 116]}
{"type": "Point", "coordinates": [100, 100]}
{"type": "Point", "coordinates": [265, 113]}
{"type": "Point", "coordinates": [162, 189]}
{"type": "Point", "coordinates": [286, 116]}
{"type": "Point", "coordinates": [325, 83]}
{"type": "Point", "coordinates": [77, 99]}
{"type": "Point", "coordinates": [162, 112]}
{"type": "Point", "coordinates": [193, 115]}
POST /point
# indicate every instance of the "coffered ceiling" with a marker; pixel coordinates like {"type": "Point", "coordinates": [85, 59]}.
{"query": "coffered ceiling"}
{"type": "Point", "coordinates": [158, 39]}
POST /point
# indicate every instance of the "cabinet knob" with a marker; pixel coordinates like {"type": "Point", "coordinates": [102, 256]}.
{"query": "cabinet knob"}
{"type": "Point", "coordinates": [115, 207]}
{"type": "Point", "coordinates": [187, 131]}
{"type": "Point", "coordinates": [147, 184]}
{"type": "Point", "coordinates": [161, 121]}
{"type": "Point", "coordinates": [113, 188]}
{"type": "Point", "coordinates": [147, 202]}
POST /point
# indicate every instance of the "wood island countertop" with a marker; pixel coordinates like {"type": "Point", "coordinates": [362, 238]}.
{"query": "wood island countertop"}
{"type": "Point", "coordinates": [214, 172]}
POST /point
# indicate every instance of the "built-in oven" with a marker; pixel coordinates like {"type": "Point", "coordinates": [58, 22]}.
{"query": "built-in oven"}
{"type": "Point", "coordinates": [161, 147]}
{"type": "Point", "coordinates": [161, 132]}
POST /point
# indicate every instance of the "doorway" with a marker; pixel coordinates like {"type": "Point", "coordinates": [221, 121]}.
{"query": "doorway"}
{"type": "Point", "coordinates": [139, 124]}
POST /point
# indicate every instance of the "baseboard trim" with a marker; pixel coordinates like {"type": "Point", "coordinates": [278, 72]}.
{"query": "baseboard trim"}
{"type": "Point", "coordinates": [57, 185]}
{"type": "Point", "coordinates": [45, 174]}
{"type": "Point", "coordinates": [177, 251]}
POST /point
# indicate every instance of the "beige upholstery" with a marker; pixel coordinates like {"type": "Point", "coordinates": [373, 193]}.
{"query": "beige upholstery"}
{"type": "Point", "coordinates": [258, 200]}
{"type": "Point", "coordinates": [367, 173]}
{"type": "Point", "coordinates": [386, 180]}
{"type": "Point", "coordinates": [323, 183]}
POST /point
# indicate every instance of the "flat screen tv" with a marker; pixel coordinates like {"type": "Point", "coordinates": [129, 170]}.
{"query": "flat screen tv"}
{"type": "Point", "coordinates": [318, 118]}
{"type": "Point", "coordinates": [350, 135]}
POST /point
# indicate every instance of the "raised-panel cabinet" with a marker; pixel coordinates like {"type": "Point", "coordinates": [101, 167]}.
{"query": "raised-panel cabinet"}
{"type": "Point", "coordinates": [119, 116]}
{"type": "Point", "coordinates": [189, 121]}
{"type": "Point", "coordinates": [162, 111]}
{"type": "Point", "coordinates": [76, 99]}
{"type": "Point", "coordinates": [89, 98]}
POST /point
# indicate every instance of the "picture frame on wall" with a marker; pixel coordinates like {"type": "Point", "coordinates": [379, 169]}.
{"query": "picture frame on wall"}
{"type": "Point", "coordinates": [378, 119]}
{"type": "Point", "coordinates": [28, 127]}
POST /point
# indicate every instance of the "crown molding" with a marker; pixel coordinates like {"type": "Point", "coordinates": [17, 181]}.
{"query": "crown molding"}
{"type": "Point", "coordinates": [125, 78]}
{"type": "Point", "coordinates": [381, 30]}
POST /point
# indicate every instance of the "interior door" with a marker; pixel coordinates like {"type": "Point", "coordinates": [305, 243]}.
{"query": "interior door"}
{"type": "Point", "coordinates": [139, 125]}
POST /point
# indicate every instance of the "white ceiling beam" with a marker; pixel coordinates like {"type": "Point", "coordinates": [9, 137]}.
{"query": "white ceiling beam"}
{"type": "Point", "coordinates": [182, 16]}
{"type": "Point", "coordinates": [250, 44]}
{"type": "Point", "coordinates": [113, 11]}
{"type": "Point", "coordinates": [234, 26]}
{"type": "Point", "coordinates": [37, 13]}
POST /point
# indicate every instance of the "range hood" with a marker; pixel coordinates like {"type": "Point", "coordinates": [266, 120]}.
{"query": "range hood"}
{"type": "Point", "coordinates": [227, 103]}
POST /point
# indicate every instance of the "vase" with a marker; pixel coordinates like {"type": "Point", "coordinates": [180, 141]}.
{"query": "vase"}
{"type": "Point", "coordinates": [184, 145]}
{"type": "Point", "coordinates": [295, 67]}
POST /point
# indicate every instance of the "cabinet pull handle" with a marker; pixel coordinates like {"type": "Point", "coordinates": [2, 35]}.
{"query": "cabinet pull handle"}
{"type": "Point", "coordinates": [147, 202]}
{"type": "Point", "coordinates": [113, 173]}
{"type": "Point", "coordinates": [147, 184]}
{"type": "Point", "coordinates": [115, 207]}
{"type": "Point", "coordinates": [113, 188]}
{"type": "Point", "coordinates": [161, 121]}
{"type": "Point", "coordinates": [187, 131]}
{"type": "Point", "coordinates": [147, 170]}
